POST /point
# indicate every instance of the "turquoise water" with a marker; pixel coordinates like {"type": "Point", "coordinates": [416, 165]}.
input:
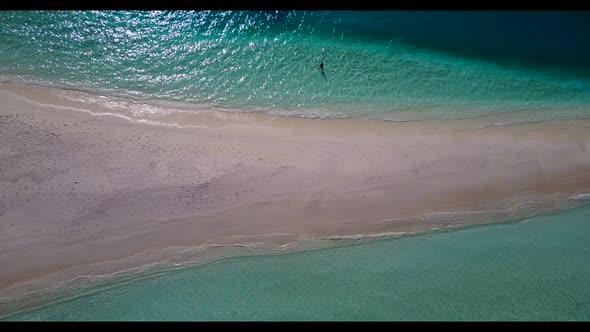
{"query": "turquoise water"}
{"type": "Point", "coordinates": [392, 65]}
{"type": "Point", "coordinates": [533, 269]}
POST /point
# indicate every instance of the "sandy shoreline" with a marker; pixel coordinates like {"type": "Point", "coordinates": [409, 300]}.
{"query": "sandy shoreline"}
{"type": "Point", "coordinates": [78, 189]}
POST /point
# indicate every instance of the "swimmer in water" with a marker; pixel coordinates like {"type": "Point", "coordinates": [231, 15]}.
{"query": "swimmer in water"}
{"type": "Point", "coordinates": [322, 66]}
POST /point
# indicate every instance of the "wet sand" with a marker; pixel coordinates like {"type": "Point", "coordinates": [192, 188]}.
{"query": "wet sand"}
{"type": "Point", "coordinates": [78, 190]}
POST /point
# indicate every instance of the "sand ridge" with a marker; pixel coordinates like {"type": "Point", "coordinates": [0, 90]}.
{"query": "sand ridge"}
{"type": "Point", "coordinates": [79, 189]}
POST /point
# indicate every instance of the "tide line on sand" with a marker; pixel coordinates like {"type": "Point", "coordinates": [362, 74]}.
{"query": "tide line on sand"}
{"type": "Point", "coordinates": [166, 186]}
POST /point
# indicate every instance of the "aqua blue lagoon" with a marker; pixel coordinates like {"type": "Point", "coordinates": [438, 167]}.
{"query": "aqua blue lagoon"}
{"type": "Point", "coordinates": [396, 66]}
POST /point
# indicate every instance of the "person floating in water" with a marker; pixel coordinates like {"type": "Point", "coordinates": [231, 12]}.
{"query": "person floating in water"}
{"type": "Point", "coordinates": [323, 72]}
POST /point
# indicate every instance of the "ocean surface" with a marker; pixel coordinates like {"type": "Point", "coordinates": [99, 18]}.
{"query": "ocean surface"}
{"type": "Point", "coordinates": [531, 269]}
{"type": "Point", "coordinates": [395, 65]}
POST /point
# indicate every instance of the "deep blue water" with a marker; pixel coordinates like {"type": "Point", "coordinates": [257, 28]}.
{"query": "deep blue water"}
{"type": "Point", "coordinates": [387, 64]}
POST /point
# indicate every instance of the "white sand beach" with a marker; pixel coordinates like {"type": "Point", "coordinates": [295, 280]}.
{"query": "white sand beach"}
{"type": "Point", "coordinates": [79, 189]}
